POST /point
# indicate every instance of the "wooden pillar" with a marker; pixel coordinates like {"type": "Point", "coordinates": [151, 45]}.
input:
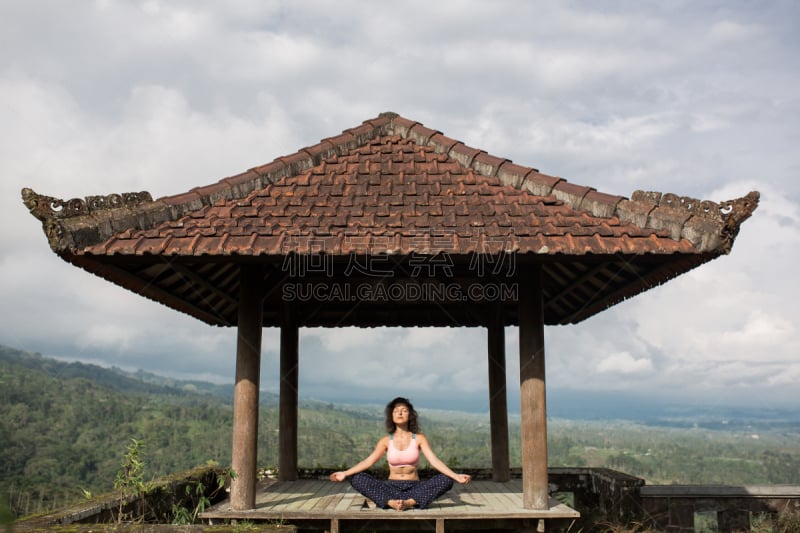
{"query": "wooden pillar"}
{"type": "Point", "coordinates": [533, 409]}
{"type": "Point", "coordinates": [287, 417]}
{"type": "Point", "coordinates": [245, 396]}
{"type": "Point", "coordinates": [498, 405]}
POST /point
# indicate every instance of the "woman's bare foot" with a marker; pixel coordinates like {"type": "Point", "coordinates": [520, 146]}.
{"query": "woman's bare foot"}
{"type": "Point", "coordinates": [409, 504]}
{"type": "Point", "coordinates": [397, 505]}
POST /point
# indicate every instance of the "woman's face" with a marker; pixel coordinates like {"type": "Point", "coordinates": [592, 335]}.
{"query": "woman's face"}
{"type": "Point", "coordinates": [400, 414]}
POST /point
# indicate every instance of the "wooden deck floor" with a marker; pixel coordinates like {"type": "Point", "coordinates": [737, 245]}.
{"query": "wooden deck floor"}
{"type": "Point", "coordinates": [332, 506]}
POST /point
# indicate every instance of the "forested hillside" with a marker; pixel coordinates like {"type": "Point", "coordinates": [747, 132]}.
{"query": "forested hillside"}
{"type": "Point", "coordinates": [64, 427]}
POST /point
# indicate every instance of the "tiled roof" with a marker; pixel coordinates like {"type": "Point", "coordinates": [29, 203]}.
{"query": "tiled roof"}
{"type": "Point", "coordinates": [389, 188]}
{"type": "Point", "coordinates": [390, 195]}
{"type": "Point", "coordinates": [391, 185]}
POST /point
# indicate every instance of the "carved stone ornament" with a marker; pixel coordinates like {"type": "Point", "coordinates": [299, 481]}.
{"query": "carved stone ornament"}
{"type": "Point", "coordinates": [734, 212]}
{"type": "Point", "coordinates": [730, 212]}
{"type": "Point", "coordinates": [47, 208]}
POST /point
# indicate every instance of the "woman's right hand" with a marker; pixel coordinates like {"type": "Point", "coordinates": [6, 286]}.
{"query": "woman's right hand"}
{"type": "Point", "coordinates": [338, 477]}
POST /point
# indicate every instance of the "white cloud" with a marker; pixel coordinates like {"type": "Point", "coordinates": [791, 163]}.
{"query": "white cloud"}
{"type": "Point", "coordinates": [624, 363]}
{"type": "Point", "coordinates": [164, 96]}
{"type": "Point", "coordinates": [106, 336]}
{"type": "Point", "coordinates": [788, 375]}
{"type": "Point", "coordinates": [341, 339]}
{"type": "Point", "coordinates": [725, 31]}
{"type": "Point", "coordinates": [429, 338]}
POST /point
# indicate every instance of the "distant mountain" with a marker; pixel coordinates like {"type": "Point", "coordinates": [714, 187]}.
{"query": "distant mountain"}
{"type": "Point", "coordinates": [119, 380]}
{"type": "Point", "coordinates": [199, 387]}
{"type": "Point", "coordinates": [563, 404]}
{"type": "Point", "coordinates": [651, 411]}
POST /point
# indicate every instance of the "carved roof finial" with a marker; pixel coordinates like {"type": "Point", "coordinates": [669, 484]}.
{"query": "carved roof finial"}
{"type": "Point", "coordinates": [734, 212]}
{"type": "Point", "coordinates": [48, 208]}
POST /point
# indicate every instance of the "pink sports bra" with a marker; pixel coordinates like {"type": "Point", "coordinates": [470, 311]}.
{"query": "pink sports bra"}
{"type": "Point", "coordinates": [407, 457]}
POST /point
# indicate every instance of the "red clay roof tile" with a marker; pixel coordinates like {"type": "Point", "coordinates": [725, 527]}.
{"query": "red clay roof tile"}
{"type": "Point", "coordinates": [441, 143]}
{"type": "Point", "coordinates": [540, 184]}
{"type": "Point", "coordinates": [390, 176]}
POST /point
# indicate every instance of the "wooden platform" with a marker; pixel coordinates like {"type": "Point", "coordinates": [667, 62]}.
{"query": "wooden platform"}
{"type": "Point", "coordinates": [322, 504]}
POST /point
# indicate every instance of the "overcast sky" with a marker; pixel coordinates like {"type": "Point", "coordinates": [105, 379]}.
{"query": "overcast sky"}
{"type": "Point", "coordinates": [695, 98]}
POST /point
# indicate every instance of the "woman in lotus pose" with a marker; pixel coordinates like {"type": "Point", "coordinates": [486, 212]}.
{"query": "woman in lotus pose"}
{"type": "Point", "coordinates": [403, 490]}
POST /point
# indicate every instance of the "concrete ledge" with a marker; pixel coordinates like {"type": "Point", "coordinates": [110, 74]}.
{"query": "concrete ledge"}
{"type": "Point", "coordinates": [720, 491]}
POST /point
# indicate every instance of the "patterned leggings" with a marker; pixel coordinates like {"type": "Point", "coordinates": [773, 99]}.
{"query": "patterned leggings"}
{"type": "Point", "coordinates": [423, 492]}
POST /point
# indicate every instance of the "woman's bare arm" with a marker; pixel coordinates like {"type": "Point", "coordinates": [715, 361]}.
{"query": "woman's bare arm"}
{"type": "Point", "coordinates": [370, 460]}
{"type": "Point", "coordinates": [437, 463]}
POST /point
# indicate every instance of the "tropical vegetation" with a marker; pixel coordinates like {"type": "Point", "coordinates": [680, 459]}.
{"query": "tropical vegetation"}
{"type": "Point", "coordinates": [66, 429]}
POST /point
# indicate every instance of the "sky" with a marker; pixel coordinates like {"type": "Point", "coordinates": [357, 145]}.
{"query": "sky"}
{"type": "Point", "coordinates": [697, 98]}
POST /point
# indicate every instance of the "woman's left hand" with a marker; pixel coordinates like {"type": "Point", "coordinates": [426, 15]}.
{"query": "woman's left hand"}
{"type": "Point", "coordinates": [463, 478]}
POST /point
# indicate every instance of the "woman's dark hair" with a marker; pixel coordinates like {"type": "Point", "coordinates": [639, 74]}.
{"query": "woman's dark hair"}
{"type": "Point", "coordinates": [391, 427]}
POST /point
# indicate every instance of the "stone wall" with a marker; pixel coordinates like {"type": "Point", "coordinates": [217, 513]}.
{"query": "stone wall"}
{"type": "Point", "coordinates": [677, 508]}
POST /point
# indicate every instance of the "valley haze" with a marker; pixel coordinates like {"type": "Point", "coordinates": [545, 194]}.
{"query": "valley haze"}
{"type": "Point", "coordinates": [561, 403]}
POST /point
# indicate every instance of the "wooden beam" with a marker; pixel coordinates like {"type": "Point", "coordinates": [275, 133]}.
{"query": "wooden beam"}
{"type": "Point", "coordinates": [195, 278]}
{"type": "Point", "coordinates": [245, 396]}
{"type": "Point", "coordinates": [287, 417]}
{"type": "Point", "coordinates": [498, 404]}
{"type": "Point", "coordinates": [147, 288]}
{"type": "Point", "coordinates": [533, 408]}
{"type": "Point", "coordinates": [577, 283]}
{"type": "Point", "coordinates": [639, 281]}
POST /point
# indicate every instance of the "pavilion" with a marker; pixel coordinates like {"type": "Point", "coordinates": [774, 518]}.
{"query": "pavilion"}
{"type": "Point", "coordinates": [390, 224]}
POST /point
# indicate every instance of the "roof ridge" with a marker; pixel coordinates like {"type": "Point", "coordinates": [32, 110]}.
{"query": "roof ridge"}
{"type": "Point", "coordinates": [684, 217]}
{"type": "Point", "coordinates": [76, 223]}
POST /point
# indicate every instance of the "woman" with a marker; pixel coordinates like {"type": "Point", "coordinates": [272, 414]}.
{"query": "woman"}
{"type": "Point", "coordinates": [403, 490]}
